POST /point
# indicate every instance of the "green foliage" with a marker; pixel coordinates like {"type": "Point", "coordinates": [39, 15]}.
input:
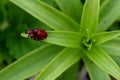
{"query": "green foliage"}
{"type": "Point", "coordinates": [64, 38]}
{"type": "Point", "coordinates": [106, 36]}
{"type": "Point", "coordinates": [112, 47]}
{"type": "Point", "coordinates": [74, 9]}
{"type": "Point", "coordinates": [34, 62]}
{"type": "Point", "coordinates": [71, 73]}
{"type": "Point", "coordinates": [12, 45]}
{"type": "Point", "coordinates": [89, 23]}
{"type": "Point", "coordinates": [108, 14]}
{"type": "Point", "coordinates": [93, 69]}
{"type": "Point", "coordinates": [77, 30]}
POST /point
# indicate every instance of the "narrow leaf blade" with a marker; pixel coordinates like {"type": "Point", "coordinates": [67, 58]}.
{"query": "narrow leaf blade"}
{"type": "Point", "coordinates": [94, 71]}
{"type": "Point", "coordinates": [30, 64]}
{"type": "Point", "coordinates": [60, 63]}
{"type": "Point", "coordinates": [89, 21]}
{"type": "Point", "coordinates": [64, 38]}
{"type": "Point", "coordinates": [104, 61]}
{"type": "Point", "coordinates": [112, 47]}
{"type": "Point", "coordinates": [106, 36]}
{"type": "Point", "coordinates": [108, 14]}
{"type": "Point", "coordinates": [47, 14]}
{"type": "Point", "coordinates": [73, 9]}
{"type": "Point", "coordinates": [117, 59]}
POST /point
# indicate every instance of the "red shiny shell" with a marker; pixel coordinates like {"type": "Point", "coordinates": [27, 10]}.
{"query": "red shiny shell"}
{"type": "Point", "coordinates": [37, 34]}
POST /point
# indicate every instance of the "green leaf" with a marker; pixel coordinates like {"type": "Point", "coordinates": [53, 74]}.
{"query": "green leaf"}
{"type": "Point", "coordinates": [24, 20]}
{"type": "Point", "coordinates": [64, 38]}
{"type": "Point", "coordinates": [51, 2]}
{"type": "Point", "coordinates": [104, 61]}
{"type": "Point", "coordinates": [112, 47]}
{"type": "Point", "coordinates": [47, 14]}
{"type": "Point", "coordinates": [117, 59]}
{"type": "Point", "coordinates": [94, 71]}
{"type": "Point", "coordinates": [118, 18]}
{"type": "Point", "coordinates": [106, 36]}
{"type": "Point", "coordinates": [73, 9]}
{"type": "Point", "coordinates": [30, 64]}
{"type": "Point", "coordinates": [110, 11]}
{"type": "Point", "coordinates": [102, 1]}
{"type": "Point", "coordinates": [89, 21]}
{"type": "Point", "coordinates": [60, 63]}
{"type": "Point", "coordinates": [17, 45]}
{"type": "Point", "coordinates": [71, 73]}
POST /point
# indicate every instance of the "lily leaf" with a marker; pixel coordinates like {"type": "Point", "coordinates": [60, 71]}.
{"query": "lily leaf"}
{"type": "Point", "coordinates": [117, 59]}
{"type": "Point", "coordinates": [64, 38]}
{"type": "Point", "coordinates": [94, 71]}
{"type": "Point", "coordinates": [30, 64]}
{"type": "Point", "coordinates": [89, 21]}
{"type": "Point", "coordinates": [60, 63]}
{"type": "Point", "coordinates": [106, 36]}
{"type": "Point", "coordinates": [104, 61]}
{"type": "Point", "coordinates": [112, 47]}
{"type": "Point", "coordinates": [110, 11]}
{"type": "Point", "coordinates": [47, 14]}
{"type": "Point", "coordinates": [73, 9]}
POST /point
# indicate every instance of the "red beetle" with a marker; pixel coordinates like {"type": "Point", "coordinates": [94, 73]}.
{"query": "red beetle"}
{"type": "Point", "coordinates": [37, 34]}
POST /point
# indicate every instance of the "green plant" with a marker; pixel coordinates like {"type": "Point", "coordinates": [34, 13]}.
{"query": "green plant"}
{"type": "Point", "coordinates": [12, 45]}
{"type": "Point", "coordinates": [76, 35]}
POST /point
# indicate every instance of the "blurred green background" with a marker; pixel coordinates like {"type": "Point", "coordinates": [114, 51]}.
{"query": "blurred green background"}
{"type": "Point", "coordinates": [14, 21]}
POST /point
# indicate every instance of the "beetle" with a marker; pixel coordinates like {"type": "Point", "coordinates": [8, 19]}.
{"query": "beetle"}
{"type": "Point", "coordinates": [37, 34]}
